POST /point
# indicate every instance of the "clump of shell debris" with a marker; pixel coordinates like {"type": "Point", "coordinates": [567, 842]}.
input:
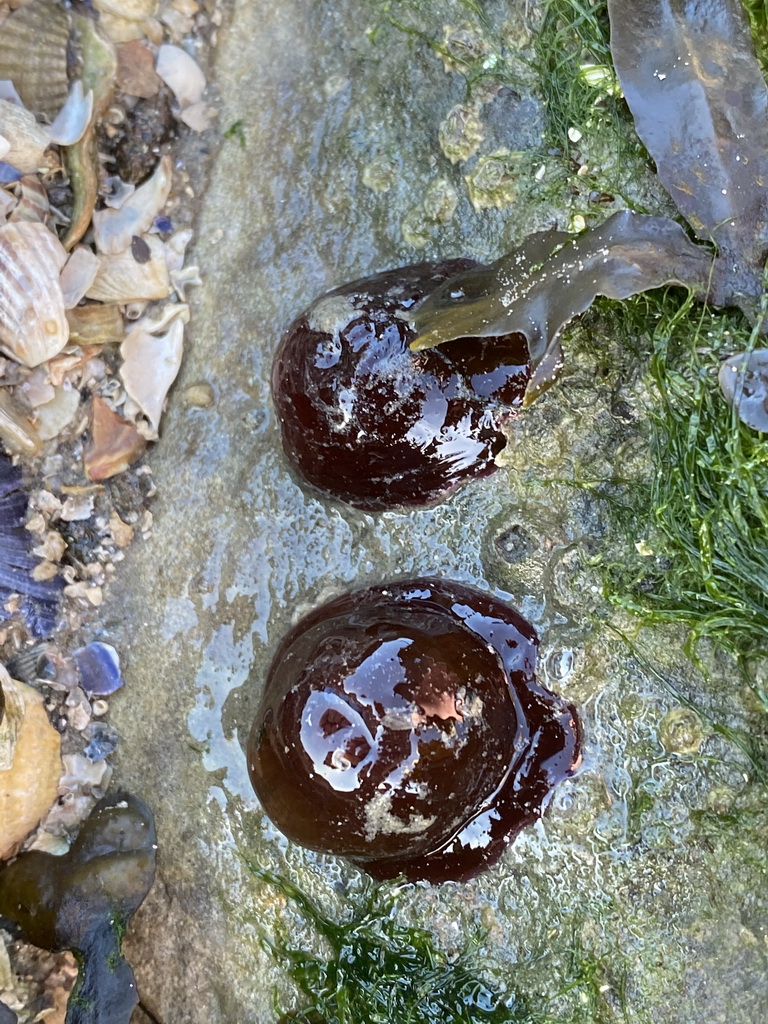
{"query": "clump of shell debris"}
{"type": "Point", "coordinates": [94, 283]}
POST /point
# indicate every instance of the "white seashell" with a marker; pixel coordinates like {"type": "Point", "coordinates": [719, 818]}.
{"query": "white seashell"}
{"type": "Point", "coordinates": [8, 92]}
{"type": "Point", "coordinates": [53, 417]}
{"type": "Point", "coordinates": [181, 73]}
{"type": "Point", "coordinates": [198, 116]}
{"type": "Point", "coordinates": [119, 191]}
{"type": "Point", "coordinates": [122, 279]}
{"type": "Point", "coordinates": [7, 203]}
{"type": "Point", "coordinates": [78, 275]}
{"type": "Point", "coordinates": [73, 118]}
{"type": "Point", "coordinates": [176, 247]}
{"type": "Point", "coordinates": [121, 30]}
{"type": "Point", "coordinates": [28, 139]}
{"type": "Point", "coordinates": [131, 10]}
{"type": "Point", "coordinates": [170, 312]}
{"type": "Point", "coordinates": [33, 325]}
{"type": "Point", "coordinates": [30, 764]}
{"type": "Point", "coordinates": [114, 229]}
{"type": "Point", "coordinates": [5, 147]}
{"type": "Point", "coordinates": [150, 366]}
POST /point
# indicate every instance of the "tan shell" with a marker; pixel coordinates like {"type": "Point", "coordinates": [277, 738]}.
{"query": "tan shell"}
{"type": "Point", "coordinates": [121, 278]}
{"type": "Point", "coordinates": [30, 764]}
{"type": "Point", "coordinates": [28, 139]}
{"type": "Point", "coordinates": [33, 55]}
{"type": "Point", "coordinates": [33, 325]}
{"type": "Point", "coordinates": [131, 10]}
{"type": "Point", "coordinates": [95, 325]}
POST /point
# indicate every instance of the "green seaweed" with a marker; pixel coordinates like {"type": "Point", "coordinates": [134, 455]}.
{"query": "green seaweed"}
{"type": "Point", "coordinates": [382, 971]}
{"type": "Point", "coordinates": [704, 511]}
{"type": "Point", "coordinates": [576, 76]}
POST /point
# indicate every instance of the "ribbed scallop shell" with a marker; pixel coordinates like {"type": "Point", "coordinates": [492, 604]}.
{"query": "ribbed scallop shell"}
{"type": "Point", "coordinates": [33, 323]}
{"type": "Point", "coordinates": [33, 55]}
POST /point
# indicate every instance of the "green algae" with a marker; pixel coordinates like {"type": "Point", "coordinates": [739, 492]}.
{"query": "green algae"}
{"type": "Point", "coordinates": [704, 509]}
{"type": "Point", "coordinates": [382, 971]}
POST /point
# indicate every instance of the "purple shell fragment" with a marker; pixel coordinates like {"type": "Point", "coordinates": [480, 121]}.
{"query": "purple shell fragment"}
{"type": "Point", "coordinates": [39, 598]}
{"type": "Point", "coordinates": [9, 174]}
{"type": "Point", "coordinates": [99, 668]}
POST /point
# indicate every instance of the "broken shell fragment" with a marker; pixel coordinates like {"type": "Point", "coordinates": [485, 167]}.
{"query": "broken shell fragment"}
{"type": "Point", "coordinates": [121, 278]}
{"type": "Point", "coordinates": [33, 55]}
{"type": "Point", "coordinates": [131, 10]}
{"type": "Point", "coordinates": [30, 763]}
{"type": "Point", "coordinates": [181, 73]}
{"type": "Point", "coordinates": [73, 118]}
{"type": "Point", "coordinates": [95, 324]}
{"type": "Point", "coordinates": [16, 429]}
{"type": "Point", "coordinates": [27, 140]}
{"type": "Point", "coordinates": [150, 366]}
{"type": "Point", "coordinates": [113, 229]}
{"type": "Point", "coordinates": [136, 73]}
{"type": "Point", "coordinates": [115, 444]}
{"type": "Point", "coordinates": [78, 275]}
{"type": "Point", "coordinates": [33, 325]}
{"type": "Point", "coordinates": [744, 382]}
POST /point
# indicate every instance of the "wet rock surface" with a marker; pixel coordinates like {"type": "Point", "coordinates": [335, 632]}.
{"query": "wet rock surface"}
{"type": "Point", "coordinates": [639, 842]}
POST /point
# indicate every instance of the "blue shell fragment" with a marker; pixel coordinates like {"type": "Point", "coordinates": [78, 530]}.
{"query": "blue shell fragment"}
{"type": "Point", "coordinates": [102, 741]}
{"type": "Point", "coordinates": [99, 668]}
{"type": "Point", "coordinates": [9, 174]}
{"type": "Point", "coordinates": [39, 598]}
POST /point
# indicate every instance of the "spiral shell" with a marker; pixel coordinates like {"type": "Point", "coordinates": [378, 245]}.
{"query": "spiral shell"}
{"type": "Point", "coordinates": [33, 323]}
{"type": "Point", "coordinates": [403, 727]}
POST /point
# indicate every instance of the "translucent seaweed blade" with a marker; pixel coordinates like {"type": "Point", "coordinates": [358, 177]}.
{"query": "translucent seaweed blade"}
{"type": "Point", "coordinates": [628, 254]}
{"type": "Point", "coordinates": [694, 86]}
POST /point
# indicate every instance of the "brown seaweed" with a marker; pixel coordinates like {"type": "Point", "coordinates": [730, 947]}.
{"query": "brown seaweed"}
{"type": "Point", "coordinates": [693, 83]}
{"type": "Point", "coordinates": [628, 254]}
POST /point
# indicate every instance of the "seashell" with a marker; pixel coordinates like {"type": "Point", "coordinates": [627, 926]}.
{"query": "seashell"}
{"type": "Point", "coordinates": [198, 116]}
{"type": "Point", "coordinates": [99, 668]}
{"type": "Point", "coordinates": [28, 140]}
{"type": "Point", "coordinates": [181, 73]}
{"type": "Point", "coordinates": [7, 204]}
{"type": "Point", "coordinates": [349, 393]}
{"type": "Point", "coordinates": [5, 146]}
{"type": "Point", "coordinates": [131, 10]}
{"type": "Point", "coordinates": [78, 275]}
{"type": "Point", "coordinates": [119, 191]}
{"type": "Point", "coordinates": [136, 73]}
{"type": "Point", "coordinates": [33, 327]}
{"type": "Point", "coordinates": [115, 444]}
{"type": "Point", "coordinates": [8, 92]}
{"type": "Point", "coordinates": [744, 382]}
{"type": "Point", "coordinates": [55, 416]}
{"type": "Point", "coordinates": [150, 366]}
{"type": "Point", "coordinates": [73, 118]}
{"type": "Point", "coordinates": [403, 727]}
{"type": "Point", "coordinates": [17, 431]}
{"type": "Point", "coordinates": [33, 55]}
{"type": "Point", "coordinates": [122, 278]}
{"type": "Point", "coordinates": [95, 324]}
{"type": "Point", "coordinates": [113, 229]}
{"type": "Point", "coordinates": [30, 764]}
{"type": "Point", "coordinates": [33, 204]}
